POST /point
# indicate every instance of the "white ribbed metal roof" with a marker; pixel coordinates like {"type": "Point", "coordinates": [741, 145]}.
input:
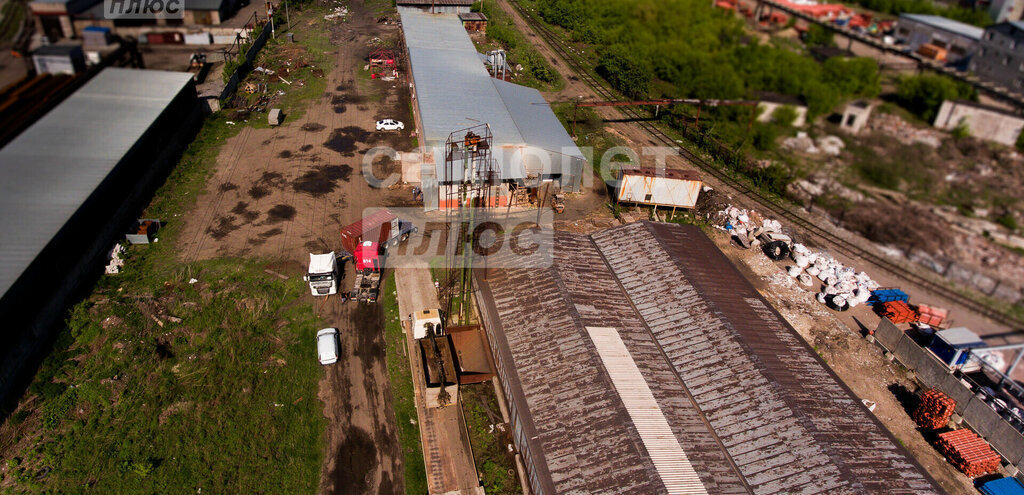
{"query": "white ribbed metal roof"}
{"type": "Point", "coordinates": [947, 24]}
{"type": "Point", "coordinates": [454, 91]}
{"type": "Point", "coordinates": [668, 457]}
{"type": "Point", "coordinates": [51, 168]}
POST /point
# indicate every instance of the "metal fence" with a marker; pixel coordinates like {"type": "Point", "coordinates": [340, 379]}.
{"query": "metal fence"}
{"type": "Point", "coordinates": [973, 405]}
{"type": "Point", "coordinates": [245, 67]}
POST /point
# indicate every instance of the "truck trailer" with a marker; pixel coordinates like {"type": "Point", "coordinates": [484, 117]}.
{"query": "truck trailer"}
{"type": "Point", "coordinates": [368, 239]}
{"type": "Point", "coordinates": [382, 227]}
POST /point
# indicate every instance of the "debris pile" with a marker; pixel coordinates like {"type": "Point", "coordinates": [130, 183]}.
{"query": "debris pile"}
{"type": "Point", "coordinates": [337, 13]}
{"type": "Point", "coordinates": [969, 453]}
{"type": "Point", "coordinates": [903, 131]}
{"type": "Point", "coordinates": [934, 411]}
{"type": "Point", "coordinates": [116, 261]}
{"type": "Point", "coordinates": [842, 287]}
{"type": "Point", "coordinates": [828, 144]}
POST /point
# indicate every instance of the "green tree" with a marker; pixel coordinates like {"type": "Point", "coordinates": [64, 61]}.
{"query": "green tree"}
{"type": "Point", "coordinates": [818, 36]}
{"type": "Point", "coordinates": [923, 94]}
{"type": "Point", "coordinates": [784, 115]}
{"type": "Point", "coordinates": [854, 76]}
{"type": "Point", "coordinates": [626, 69]}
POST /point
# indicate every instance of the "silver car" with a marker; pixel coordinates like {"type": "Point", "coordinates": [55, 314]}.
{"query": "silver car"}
{"type": "Point", "coordinates": [327, 345]}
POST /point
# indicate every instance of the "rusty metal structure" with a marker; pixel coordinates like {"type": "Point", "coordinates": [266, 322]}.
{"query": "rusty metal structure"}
{"type": "Point", "coordinates": [653, 317]}
{"type": "Point", "coordinates": [467, 195]}
{"type": "Point", "coordinates": [383, 62]}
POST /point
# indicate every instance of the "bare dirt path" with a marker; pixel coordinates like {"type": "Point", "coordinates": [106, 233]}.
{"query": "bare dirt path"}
{"type": "Point", "coordinates": [446, 449]}
{"type": "Point", "coordinates": [283, 192]}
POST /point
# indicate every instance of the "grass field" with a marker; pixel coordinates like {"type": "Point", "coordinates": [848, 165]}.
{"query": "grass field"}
{"type": "Point", "coordinates": [161, 385]}
{"type": "Point", "coordinates": [403, 399]}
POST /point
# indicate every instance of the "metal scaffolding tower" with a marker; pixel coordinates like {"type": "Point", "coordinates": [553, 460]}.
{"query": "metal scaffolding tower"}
{"type": "Point", "coordinates": [468, 183]}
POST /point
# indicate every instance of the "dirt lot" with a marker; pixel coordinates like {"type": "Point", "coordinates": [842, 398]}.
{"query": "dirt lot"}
{"type": "Point", "coordinates": [284, 192]}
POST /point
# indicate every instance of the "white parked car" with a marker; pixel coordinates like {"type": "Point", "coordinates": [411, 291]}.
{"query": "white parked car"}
{"type": "Point", "coordinates": [327, 345]}
{"type": "Point", "coordinates": [389, 125]}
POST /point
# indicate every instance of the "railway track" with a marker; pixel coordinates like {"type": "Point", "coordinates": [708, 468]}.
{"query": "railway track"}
{"type": "Point", "coordinates": [808, 228]}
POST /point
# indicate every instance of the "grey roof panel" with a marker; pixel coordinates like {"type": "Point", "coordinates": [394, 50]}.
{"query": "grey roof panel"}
{"type": "Point", "coordinates": [48, 171]}
{"type": "Point", "coordinates": [946, 24]}
{"type": "Point", "coordinates": [454, 91]}
{"type": "Point", "coordinates": [535, 119]}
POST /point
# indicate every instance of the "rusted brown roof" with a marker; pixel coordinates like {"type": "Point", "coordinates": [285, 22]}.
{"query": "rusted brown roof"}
{"type": "Point", "coordinates": [750, 403]}
{"type": "Point", "coordinates": [666, 173]}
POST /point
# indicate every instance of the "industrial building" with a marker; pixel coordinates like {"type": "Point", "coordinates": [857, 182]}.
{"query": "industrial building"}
{"type": "Point", "coordinates": [438, 6]}
{"type": "Point", "coordinates": [943, 39]}
{"type": "Point", "coordinates": [453, 90]}
{"type": "Point", "coordinates": [676, 376]}
{"type": "Point", "coordinates": [1001, 58]}
{"type": "Point", "coordinates": [70, 186]}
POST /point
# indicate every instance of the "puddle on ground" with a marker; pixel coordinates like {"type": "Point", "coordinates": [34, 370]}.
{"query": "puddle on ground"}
{"type": "Point", "coordinates": [280, 213]}
{"type": "Point", "coordinates": [224, 226]}
{"type": "Point", "coordinates": [313, 127]}
{"type": "Point", "coordinates": [344, 139]}
{"type": "Point", "coordinates": [322, 180]}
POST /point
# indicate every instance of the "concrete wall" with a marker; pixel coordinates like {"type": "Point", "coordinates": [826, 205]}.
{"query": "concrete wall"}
{"type": "Point", "coordinates": [933, 373]}
{"type": "Point", "coordinates": [981, 122]}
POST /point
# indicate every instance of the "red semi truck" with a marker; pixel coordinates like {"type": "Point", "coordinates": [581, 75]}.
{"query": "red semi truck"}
{"type": "Point", "coordinates": [368, 239]}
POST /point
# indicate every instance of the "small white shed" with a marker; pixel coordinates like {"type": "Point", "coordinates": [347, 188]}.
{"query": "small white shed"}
{"type": "Point", "coordinates": [650, 186]}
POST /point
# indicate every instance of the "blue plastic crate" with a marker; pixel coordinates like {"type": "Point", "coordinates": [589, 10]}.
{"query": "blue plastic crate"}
{"type": "Point", "coordinates": [1002, 486]}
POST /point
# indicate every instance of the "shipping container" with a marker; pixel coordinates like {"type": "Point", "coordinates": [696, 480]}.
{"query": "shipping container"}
{"type": "Point", "coordinates": [649, 186]}
{"type": "Point", "coordinates": [376, 227]}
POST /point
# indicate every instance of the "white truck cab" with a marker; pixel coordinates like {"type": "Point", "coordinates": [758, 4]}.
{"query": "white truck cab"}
{"type": "Point", "coordinates": [323, 274]}
{"type": "Point", "coordinates": [426, 321]}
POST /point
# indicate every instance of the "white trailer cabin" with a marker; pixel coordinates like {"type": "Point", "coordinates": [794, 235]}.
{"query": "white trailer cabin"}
{"type": "Point", "coordinates": [649, 186]}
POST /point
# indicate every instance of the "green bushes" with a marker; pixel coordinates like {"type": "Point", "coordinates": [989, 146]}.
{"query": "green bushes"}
{"type": "Point", "coordinates": [538, 73]}
{"type": "Point", "coordinates": [924, 94]}
{"type": "Point", "coordinates": [625, 70]}
{"type": "Point", "coordinates": [819, 36]}
{"type": "Point", "coordinates": [701, 52]}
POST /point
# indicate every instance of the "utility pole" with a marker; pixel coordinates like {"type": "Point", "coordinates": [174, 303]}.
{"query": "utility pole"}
{"type": "Point", "coordinates": [287, 16]}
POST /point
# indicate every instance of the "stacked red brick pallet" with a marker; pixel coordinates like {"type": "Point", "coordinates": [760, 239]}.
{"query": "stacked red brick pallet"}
{"type": "Point", "coordinates": [969, 453]}
{"type": "Point", "coordinates": [930, 315]}
{"type": "Point", "coordinates": [934, 411]}
{"type": "Point", "coordinates": [899, 312]}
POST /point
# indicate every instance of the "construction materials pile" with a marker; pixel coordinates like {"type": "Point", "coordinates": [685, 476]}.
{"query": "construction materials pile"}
{"type": "Point", "coordinates": [898, 312]}
{"type": "Point", "coordinates": [842, 287]}
{"type": "Point", "coordinates": [934, 411]}
{"type": "Point", "coordinates": [969, 453]}
{"type": "Point", "coordinates": [931, 316]}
